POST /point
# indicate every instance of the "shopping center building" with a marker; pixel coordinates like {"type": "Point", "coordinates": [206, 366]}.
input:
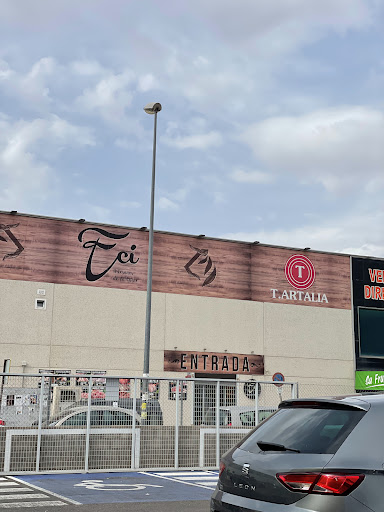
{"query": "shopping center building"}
{"type": "Point", "coordinates": [73, 297]}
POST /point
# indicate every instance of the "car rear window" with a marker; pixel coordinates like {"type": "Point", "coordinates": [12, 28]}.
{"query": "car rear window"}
{"type": "Point", "coordinates": [308, 430]}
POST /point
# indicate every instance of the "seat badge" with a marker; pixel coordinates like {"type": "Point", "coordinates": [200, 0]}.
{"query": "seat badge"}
{"type": "Point", "coordinates": [245, 469]}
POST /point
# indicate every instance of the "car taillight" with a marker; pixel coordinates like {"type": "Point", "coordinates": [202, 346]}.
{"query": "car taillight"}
{"type": "Point", "coordinates": [2, 422]}
{"type": "Point", "coordinates": [318, 483]}
{"type": "Point", "coordinates": [221, 467]}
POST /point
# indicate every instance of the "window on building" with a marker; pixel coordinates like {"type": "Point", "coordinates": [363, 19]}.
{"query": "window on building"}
{"type": "Point", "coordinates": [371, 328]}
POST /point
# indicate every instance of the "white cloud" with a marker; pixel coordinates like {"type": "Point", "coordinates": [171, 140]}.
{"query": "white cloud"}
{"type": "Point", "coordinates": [243, 176]}
{"type": "Point", "coordinates": [5, 71]}
{"type": "Point", "coordinates": [280, 25]}
{"type": "Point", "coordinates": [109, 97]}
{"type": "Point", "coordinates": [219, 56]}
{"type": "Point", "coordinates": [199, 141]}
{"type": "Point", "coordinates": [166, 204]}
{"type": "Point", "coordinates": [129, 204]}
{"type": "Point", "coordinates": [97, 213]}
{"type": "Point", "coordinates": [341, 148]}
{"type": "Point", "coordinates": [376, 251]}
{"type": "Point", "coordinates": [216, 66]}
{"type": "Point", "coordinates": [65, 133]}
{"type": "Point", "coordinates": [87, 68]}
{"type": "Point", "coordinates": [30, 88]}
{"type": "Point", "coordinates": [27, 149]}
{"type": "Point", "coordinates": [81, 192]}
{"type": "Point", "coordinates": [146, 83]}
{"type": "Point", "coordinates": [354, 233]}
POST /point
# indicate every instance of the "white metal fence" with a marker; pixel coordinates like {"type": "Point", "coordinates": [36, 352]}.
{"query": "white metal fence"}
{"type": "Point", "coordinates": [90, 423]}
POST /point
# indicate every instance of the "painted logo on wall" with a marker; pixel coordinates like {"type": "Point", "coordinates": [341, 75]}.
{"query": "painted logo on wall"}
{"type": "Point", "coordinates": [7, 228]}
{"type": "Point", "coordinates": [201, 258]}
{"type": "Point", "coordinates": [123, 257]}
{"type": "Point", "coordinates": [300, 272]}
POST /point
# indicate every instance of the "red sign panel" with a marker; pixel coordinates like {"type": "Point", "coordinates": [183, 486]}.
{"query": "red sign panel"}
{"type": "Point", "coordinates": [300, 272]}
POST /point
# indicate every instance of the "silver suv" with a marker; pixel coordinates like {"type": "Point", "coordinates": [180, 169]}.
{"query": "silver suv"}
{"type": "Point", "coordinates": [312, 455]}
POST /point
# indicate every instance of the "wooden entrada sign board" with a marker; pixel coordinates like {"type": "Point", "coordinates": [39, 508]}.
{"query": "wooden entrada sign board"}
{"type": "Point", "coordinates": [75, 253]}
{"type": "Point", "coordinates": [213, 362]}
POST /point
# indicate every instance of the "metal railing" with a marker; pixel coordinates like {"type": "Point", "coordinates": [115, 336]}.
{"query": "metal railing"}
{"type": "Point", "coordinates": [89, 423]}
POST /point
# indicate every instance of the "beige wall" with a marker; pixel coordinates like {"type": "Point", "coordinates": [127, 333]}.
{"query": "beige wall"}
{"type": "Point", "coordinates": [103, 329]}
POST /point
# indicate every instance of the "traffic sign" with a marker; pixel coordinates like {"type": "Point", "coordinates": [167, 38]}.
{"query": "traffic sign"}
{"type": "Point", "coordinates": [278, 378]}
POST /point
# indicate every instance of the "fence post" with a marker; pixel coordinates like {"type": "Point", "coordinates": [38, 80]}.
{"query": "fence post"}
{"type": "Point", "coordinates": [177, 425]}
{"type": "Point", "coordinates": [256, 403]}
{"type": "Point", "coordinates": [133, 448]}
{"type": "Point", "coordinates": [38, 449]}
{"type": "Point", "coordinates": [218, 423]}
{"type": "Point", "coordinates": [88, 431]}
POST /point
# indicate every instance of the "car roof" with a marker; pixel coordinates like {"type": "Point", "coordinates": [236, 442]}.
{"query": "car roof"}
{"type": "Point", "coordinates": [239, 408]}
{"type": "Point", "coordinates": [357, 401]}
{"type": "Point", "coordinates": [97, 408]}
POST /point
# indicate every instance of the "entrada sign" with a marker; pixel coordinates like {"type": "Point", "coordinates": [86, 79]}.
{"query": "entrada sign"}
{"type": "Point", "coordinates": [210, 362]}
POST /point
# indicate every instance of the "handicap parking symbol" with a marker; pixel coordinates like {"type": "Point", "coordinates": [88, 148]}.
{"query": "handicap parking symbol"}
{"type": "Point", "coordinates": [99, 485]}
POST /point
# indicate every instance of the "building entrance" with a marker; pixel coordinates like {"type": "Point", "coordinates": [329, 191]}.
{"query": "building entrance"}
{"type": "Point", "coordinates": [205, 394]}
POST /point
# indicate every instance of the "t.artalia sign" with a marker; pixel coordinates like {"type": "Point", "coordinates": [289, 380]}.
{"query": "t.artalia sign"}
{"type": "Point", "coordinates": [312, 279]}
{"type": "Point", "coordinates": [300, 274]}
{"type": "Point", "coordinates": [212, 362]}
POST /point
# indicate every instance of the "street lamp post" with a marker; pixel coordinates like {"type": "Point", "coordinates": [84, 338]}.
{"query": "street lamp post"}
{"type": "Point", "coordinates": [150, 108]}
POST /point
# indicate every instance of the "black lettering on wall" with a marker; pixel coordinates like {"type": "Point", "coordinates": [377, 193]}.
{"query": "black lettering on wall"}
{"type": "Point", "coordinates": [123, 257]}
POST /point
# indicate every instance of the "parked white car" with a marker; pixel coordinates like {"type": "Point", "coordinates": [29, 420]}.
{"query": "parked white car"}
{"type": "Point", "coordinates": [236, 416]}
{"type": "Point", "coordinates": [101, 416]}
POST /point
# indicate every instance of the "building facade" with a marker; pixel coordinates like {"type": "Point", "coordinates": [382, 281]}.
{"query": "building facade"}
{"type": "Point", "coordinates": [72, 296]}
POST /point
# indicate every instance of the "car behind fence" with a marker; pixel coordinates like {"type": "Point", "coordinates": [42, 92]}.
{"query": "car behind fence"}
{"type": "Point", "coordinates": [91, 423]}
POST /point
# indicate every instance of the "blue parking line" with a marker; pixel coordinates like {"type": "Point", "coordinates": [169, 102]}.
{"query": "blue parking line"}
{"type": "Point", "coordinates": [127, 487]}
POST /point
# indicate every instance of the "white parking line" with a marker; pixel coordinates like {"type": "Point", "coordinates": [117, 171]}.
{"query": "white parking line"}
{"type": "Point", "coordinates": [184, 473]}
{"type": "Point", "coordinates": [7, 483]}
{"type": "Point", "coordinates": [30, 504]}
{"type": "Point", "coordinates": [23, 496]}
{"type": "Point", "coordinates": [211, 478]}
{"type": "Point", "coordinates": [16, 489]}
{"type": "Point", "coordinates": [184, 480]}
{"type": "Point", "coordinates": [50, 493]}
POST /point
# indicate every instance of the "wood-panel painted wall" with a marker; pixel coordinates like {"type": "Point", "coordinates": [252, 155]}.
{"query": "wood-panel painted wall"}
{"type": "Point", "coordinates": [69, 252]}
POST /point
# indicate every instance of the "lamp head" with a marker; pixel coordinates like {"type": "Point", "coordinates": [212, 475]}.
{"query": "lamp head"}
{"type": "Point", "coordinates": [152, 108]}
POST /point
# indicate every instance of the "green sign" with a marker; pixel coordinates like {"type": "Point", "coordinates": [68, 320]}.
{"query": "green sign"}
{"type": "Point", "coordinates": [370, 380]}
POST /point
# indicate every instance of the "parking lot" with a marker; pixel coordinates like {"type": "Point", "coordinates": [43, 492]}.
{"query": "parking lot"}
{"type": "Point", "coordinates": [87, 489]}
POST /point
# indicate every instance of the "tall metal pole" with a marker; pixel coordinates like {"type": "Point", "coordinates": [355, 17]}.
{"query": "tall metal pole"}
{"type": "Point", "coordinates": [150, 260]}
{"type": "Point", "coordinates": [151, 108]}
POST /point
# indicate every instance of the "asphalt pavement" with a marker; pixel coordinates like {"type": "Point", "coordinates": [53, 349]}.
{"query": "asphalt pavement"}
{"type": "Point", "coordinates": [159, 506]}
{"type": "Point", "coordinates": [164, 491]}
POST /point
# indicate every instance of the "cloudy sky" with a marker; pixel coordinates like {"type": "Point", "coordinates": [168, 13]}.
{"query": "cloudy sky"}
{"type": "Point", "coordinates": [272, 126]}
